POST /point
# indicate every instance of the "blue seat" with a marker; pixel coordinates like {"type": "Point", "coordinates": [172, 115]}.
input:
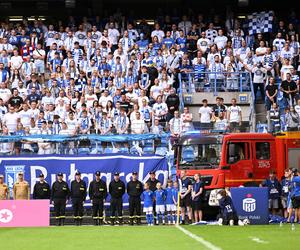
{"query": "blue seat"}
{"type": "Point", "coordinates": [163, 142]}
{"type": "Point", "coordinates": [83, 151]}
{"type": "Point", "coordinates": [188, 154]}
{"type": "Point", "coordinates": [148, 149]}
{"type": "Point", "coordinates": [161, 151]}
{"type": "Point", "coordinates": [96, 149]}
{"type": "Point", "coordinates": [123, 150]}
{"type": "Point", "coordinates": [148, 143]}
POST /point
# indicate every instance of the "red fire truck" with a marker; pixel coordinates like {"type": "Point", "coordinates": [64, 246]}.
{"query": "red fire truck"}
{"type": "Point", "coordinates": [231, 160]}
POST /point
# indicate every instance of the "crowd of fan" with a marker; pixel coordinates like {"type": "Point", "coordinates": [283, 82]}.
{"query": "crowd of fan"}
{"type": "Point", "coordinates": [94, 77]}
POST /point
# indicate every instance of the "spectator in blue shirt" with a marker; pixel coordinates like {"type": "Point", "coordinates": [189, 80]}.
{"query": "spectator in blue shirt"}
{"type": "Point", "coordinates": [274, 189]}
{"type": "Point", "coordinates": [168, 40]}
{"type": "Point", "coordinates": [197, 193]}
{"type": "Point", "coordinates": [296, 195]}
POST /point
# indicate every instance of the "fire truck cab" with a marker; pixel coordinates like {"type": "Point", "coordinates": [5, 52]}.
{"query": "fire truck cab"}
{"type": "Point", "coordinates": [231, 160]}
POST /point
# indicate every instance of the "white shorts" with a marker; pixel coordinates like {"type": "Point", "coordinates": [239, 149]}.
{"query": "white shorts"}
{"type": "Point", "coordinates": [171, 208]}
{"type": "Point", "coordinates": [148, 209]}
{"type": "Point", "coordinates": [160, 208]}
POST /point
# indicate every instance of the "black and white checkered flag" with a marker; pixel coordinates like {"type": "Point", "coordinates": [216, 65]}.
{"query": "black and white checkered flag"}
{"type": "Point", "coordinates": [260, 22]}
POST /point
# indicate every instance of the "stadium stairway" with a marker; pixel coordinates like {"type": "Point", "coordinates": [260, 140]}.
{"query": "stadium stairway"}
{"type": "Point", "coordinates": [194, 102]}
{"type": "Point", "coordinates": [261, 113]}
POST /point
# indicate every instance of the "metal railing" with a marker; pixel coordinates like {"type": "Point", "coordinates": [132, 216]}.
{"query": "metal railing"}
{"type": "Point", "coordinates": [215, 82]}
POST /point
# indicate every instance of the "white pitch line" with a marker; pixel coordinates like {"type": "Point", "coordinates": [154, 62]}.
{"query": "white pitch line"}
{"type": "Point", "coordinates": [204, 242]}
{"type": "Point", "coordinates": [258, 240]}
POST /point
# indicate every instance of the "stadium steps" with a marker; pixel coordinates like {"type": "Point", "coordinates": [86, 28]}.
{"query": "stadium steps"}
{"type": "Point", "coordinates": [261, 113]}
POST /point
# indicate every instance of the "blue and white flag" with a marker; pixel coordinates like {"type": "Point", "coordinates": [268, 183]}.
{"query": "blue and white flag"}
{"type": "Point", "coordinates": [260, 22]}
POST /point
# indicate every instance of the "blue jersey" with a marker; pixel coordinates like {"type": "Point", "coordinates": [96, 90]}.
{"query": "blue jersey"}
{"type": "Point", "coordinates": [169, 42]}
{"type": "Point", "coordinates": [169, 196]}
{"type": "Point", "coordinates": [273, 187]}
{"type": "Point", "coordinates": [285, 184]}
{"type": "Point", "coordinates": [296, 186]}
{"type": "Point", "coordinates": [160, 197]}
{"type": "Point", "coordinates": [226, 206]}
{"type": "Point", "coordinates": [175, 194]}
{"type": "Point", "coordinates": [182, 42]}
{"type": "Point", "coordinates": [143, 45]}
{"type": "Point", "coordinates": [148, 198]}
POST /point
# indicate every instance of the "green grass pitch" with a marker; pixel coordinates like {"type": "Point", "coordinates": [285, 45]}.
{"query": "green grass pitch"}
{"type": "Point", "coordinates": [155, 238]}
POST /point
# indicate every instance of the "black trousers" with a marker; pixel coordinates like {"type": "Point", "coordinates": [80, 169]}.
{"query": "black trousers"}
{"type": "Point", "coordinates": [98, 207]}
{"type": "Point", "coordinates": [77, 208]}
{"type": "Point", "coordinates": [116, 205]}
{"type": "Point", "coordinates": [60, 208]}
{"type": "Point", "coordinates": [259, 86]}
{"type": "Point", "coordinates": [134, 206]}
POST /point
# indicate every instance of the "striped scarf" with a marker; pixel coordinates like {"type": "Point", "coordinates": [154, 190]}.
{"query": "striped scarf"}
{"type": "Point", "coordinates": [27, 51]}
{"type": "Point", "coordinates": [268, 60]}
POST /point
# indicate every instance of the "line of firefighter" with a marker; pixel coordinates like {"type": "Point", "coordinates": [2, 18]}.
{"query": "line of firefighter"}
{"type": "Point", "coordinates": [60, 193]}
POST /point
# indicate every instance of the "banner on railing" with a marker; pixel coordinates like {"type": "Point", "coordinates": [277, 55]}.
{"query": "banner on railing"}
{"type": "Point", "coordinates": [93, 137]}
{"type": "Point", "coordinates": [87, 165]}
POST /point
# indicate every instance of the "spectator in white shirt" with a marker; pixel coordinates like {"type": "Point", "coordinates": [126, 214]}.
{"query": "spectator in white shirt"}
{"type": "Point", "coordinates": [286, 68]}
{"type": "Point", "coordinates": [160, 109]}
{"type": "Point", "coordinates": [203, 43]}
{"type": "Point", "coordinates": [69, 42]}
{"type": "Point", "coordinates": [113, 35]}
{"type": "Point", "coordinates": [259, 76]}
{"type": "Point", "coordinates": [156, 89]}
{"type": "Point", "coordinates": [158, 32]}
{"type": "Point", "coordinates": [25, 115]}
{"type": "Point", "coordinates": [11, 119]}
{"type": "Point", "coordinates": [220, 40]}
{"type": "Point", "coordinates": [234, 116]}
{"type": "Point", "coordinates": [16, 61]}
{"type": "Point", "coordinates": [138, 124]}
{"type": "Point", "coordinates": [6, 148]}
{"type": "Point", "coordinates": [176, 126]}
{"type": "Point", "coordinates": [287, 52]}
{"type": "Point", "coordinates": [205, 114]}
{"type": "Point", "coordinates": [260, 51]}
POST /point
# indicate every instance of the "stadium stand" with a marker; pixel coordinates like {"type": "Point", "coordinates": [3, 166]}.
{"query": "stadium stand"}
{"type": "Point", "coordinates": [85, 77]}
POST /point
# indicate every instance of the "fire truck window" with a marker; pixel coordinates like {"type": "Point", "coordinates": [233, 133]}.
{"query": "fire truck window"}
{"type": "Point", "coordinates": [236, 152]}
{"type": "Point", "coordinates": [262, 150]}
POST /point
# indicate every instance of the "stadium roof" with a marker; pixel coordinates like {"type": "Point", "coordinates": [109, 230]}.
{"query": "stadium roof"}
{"type": "Point", "coordinates": [145, 7]}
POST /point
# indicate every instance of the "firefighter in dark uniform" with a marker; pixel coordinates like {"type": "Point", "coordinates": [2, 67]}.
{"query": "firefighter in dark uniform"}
{"type": "Point", "coordinates": [152, 181]}
{"type": "Point", "coordinates": [41, 190]}
{"type": "Point", "coordinates": [59, 195]}
{"type": "Point", "coordinates": [116, 190]}
{"type": "Point", "coordinates": [134, 190]}
{"type": "Point", "coordinates": [78, 196]}
{"type": "Point", "coordinates": [98, 194]}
